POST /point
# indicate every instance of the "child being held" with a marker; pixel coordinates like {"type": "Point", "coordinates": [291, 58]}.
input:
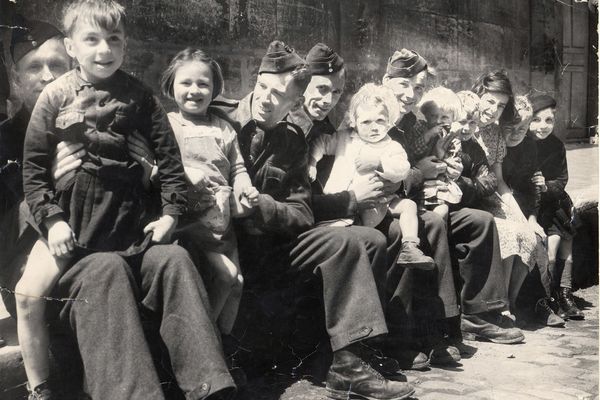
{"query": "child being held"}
{"type": "Point", "coordinates": [102, 206]}
{"type": "Point", "coordinates": [468, 121]}
{"type": "Point", "coordinates": [363, 149]}
{"type": "Point", "coordinates": [215, 171]}
{"type": "Point", "coordinates": [438, 135]}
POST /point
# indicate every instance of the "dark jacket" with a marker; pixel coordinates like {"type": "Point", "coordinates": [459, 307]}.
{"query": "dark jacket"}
{"type": "Point", "coordinates": [325, 206]}
{"type": "Point", "coordinates": [518, 167]}
{"type": "Point", "coordinates": [476, 180]}
{"type": "Point", "coordinates": [12, 137]}
{"type": "Point", "coordinates": [277, 162]}
{"type": "Point", "coordinates": [552, 162]}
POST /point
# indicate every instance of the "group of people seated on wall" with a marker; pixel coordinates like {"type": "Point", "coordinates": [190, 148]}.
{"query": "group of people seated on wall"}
{"type": "Point", "coordinates": [419, 217]}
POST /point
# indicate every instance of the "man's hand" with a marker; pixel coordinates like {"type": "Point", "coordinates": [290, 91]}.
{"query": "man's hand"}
{"type": "Point", "coordinates": [537, 228]}
{"type": "Point", "coordinates": [61, 240]}
{"type": "Point", "coordinates": [430, 167]}
{"type": "Point", "coordinates": [162, 229]}
{"type": "Point", "coordinates": [68, 158]}
{"type": "Point", "coordinates": [367, 190]}
{"type": "Point", "coordinates": [454, 168]}
{"type": "Point", "coordinates": [312, 173]}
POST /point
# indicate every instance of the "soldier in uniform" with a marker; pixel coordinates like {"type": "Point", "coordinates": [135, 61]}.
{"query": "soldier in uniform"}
{"type": "Point", "coordinates": [281, 226]}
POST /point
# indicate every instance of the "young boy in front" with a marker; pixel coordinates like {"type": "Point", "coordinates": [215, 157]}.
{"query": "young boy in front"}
{"type": "Point", "coordinates": [102, 206]}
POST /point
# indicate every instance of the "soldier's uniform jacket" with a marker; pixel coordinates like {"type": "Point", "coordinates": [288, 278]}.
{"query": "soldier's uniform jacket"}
{"type": "Point", "coordinates": [276, 161]}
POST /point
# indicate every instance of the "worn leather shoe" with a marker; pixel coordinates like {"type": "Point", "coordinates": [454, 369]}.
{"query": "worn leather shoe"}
{"type": "Point", "coordinates": [349, 375]}
{"type": "Point", "coordinates": [481, 327]}
{"type": "Point", "coordinates": [408, 358]}
{"type": "Point", "coordinates": [444, 354]}
{"type": "Point", "coordinates": [413, 258]}
{"type": "Point", "coordinates": [545, 315]}
{"type": "Point", "coordinates": [567, 303]}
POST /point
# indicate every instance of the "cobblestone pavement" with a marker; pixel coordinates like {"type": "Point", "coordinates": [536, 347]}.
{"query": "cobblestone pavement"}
{"type": "Point", "coordinates": [552, 364]}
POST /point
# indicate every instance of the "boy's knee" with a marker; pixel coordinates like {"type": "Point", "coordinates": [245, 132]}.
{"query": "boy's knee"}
{"type": "Point", "coordinates": [409, 206]}
{"type": "Point", "coordinates": [25, 296]}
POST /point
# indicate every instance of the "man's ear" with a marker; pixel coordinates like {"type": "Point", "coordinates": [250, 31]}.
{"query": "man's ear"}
{"type": "Point", "coordinates": [299, 103]}
{"type": "Point", "coordinates": [69, 47]}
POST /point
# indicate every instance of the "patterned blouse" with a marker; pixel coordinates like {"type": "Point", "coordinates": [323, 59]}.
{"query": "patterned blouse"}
{"type": "Point", "coordinates": [493, 144]}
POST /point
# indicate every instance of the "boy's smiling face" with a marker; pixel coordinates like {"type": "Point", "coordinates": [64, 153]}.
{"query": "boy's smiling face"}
{"type": "Point", "coordinates": [542, 123]}
{"type": "Point", "coordinates": [467, 127]}
{"type": "Point", "coordinates": [436, 116]}
{"type": "Point", "coordinates": [98, 51]}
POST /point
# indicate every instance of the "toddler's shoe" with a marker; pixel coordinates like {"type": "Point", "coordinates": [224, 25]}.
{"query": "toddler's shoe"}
{"type": "Point", "coordinates": [412, 257]}
{"type": "Point", "coordinates": [546, 315]}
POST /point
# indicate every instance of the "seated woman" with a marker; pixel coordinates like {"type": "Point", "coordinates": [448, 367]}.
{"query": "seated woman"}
{"type": "Point", "coordinates": [521, 174]}
{"type": "Point", "coordinates": [519, 247]}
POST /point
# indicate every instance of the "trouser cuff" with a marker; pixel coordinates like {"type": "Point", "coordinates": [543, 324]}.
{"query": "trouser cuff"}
{"type": "Point", "coordinates": [361, 333]}
{"type": "Point", "coordinates": [214, 384]}
{"type": "Point", "coordinates": [478, 307]}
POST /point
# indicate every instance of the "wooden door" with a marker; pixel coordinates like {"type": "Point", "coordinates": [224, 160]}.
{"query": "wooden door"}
{"type": "Point", "coordinates": [573, 74]}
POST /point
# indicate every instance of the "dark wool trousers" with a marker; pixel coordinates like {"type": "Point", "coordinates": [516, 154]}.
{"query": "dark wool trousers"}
{"type": "Point", "coordinates": [104, 319]}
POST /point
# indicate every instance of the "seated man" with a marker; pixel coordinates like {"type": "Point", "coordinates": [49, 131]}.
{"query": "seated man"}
{"type": "Point", "coordinates": [473, 235]}
{"type": "Point", "coordinates": [106, 297]}
{"type": "Point", "coordinates": [275, 153]}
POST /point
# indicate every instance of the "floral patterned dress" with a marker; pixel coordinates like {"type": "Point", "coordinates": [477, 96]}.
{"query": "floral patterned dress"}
{"type": "Point", "coordinates": [516, 236]}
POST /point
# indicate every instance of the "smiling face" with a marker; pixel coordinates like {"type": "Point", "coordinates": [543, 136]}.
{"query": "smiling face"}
{"type": "Point", "coordinates": [408, 91]}
{"type": "Point", "coordinates": [323, 93]}
{"type": "Point", "coordinates": [466, 127]}
{"type": "Point", "coordinates": [491, 106]}
{"type": "Point", "coordinates": [372, 122]}
{"type": "Point", "coordinates": [38, 68]}
{"type": "Point", "coordinates": [542, 123]}
{"type": "Point", "coordinates": [434, 116]}
{"type": "Point", "coordinates": [193, 88]}
{"type": "Point", "coordinates": [273, 98]}
{"type": "Point", "coordinates": [99, 52]}
{"type": "Point", "coordinates": [513, 136]}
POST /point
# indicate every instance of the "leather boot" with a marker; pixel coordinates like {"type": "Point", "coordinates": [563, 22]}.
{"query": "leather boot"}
{"type": "Point", "coordinates": [546, 315]}
{"type": "Point", "coordinates": [486, 326]}
{"type": "Point", "coordinates": [566, 302]}
{"type": "Point", "coordinates": [349, 375]}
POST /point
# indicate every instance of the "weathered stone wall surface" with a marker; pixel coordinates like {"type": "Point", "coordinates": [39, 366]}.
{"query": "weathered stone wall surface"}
{"type": "Point", "coordinates": [461, 39]}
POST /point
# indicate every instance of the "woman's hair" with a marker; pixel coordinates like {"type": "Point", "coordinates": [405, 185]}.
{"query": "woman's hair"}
{"type": "Point", "coordinates": [445, 99]}
{"type": "Point", "coordinates": [187, 55]}
{"type": "Point", "coordinates": [470, 103]}
{"type": "Point", "coordinates": [524, 108]}
{"type": "Point", "coordinates": [374, 95]}
{"type": "Point", "coordinates": [497, 82]}
{"type": "Point", "coordinates": [106, 14]}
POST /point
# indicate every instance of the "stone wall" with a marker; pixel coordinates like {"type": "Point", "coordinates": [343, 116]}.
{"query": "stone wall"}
{"type": "Point", "coordinates": [461, 39]}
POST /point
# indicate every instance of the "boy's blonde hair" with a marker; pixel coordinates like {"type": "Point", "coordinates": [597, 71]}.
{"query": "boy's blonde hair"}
{"type": "Point", "coordinates": [445, 99]}
{"type": "Point", "coordinates": [373, 95]}
{"type": "Point", "coordinates": [106, 14]}
{"type": "Point", "coordinates": [524, 108]}
{"type": "Point", "coordinates": [470, 103]}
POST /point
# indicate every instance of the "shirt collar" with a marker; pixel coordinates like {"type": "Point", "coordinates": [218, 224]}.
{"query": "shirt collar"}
{"type": "Point", "coordinates": [309, 126]}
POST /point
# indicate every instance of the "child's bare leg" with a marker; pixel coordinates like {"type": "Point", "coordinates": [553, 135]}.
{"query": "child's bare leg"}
{"type": "Point", "coordinates": [564, 279]}
{"type": "Point", "coordinates": [230, 309]}
{"type": "Point", "coordinates": [410, 255]}
{"type": "Point", "coordinates": [42, 271]}
{"type": "Point", "coordinates": [442, 210]}
{"type": "Point", "coordinates": [224, 273]}
{"type": "Point", "coordinates": [553, 245]}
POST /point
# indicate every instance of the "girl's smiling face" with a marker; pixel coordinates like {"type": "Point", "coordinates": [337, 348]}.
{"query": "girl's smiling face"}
{"type": "Point", "coordinates": [491, 107]}
{"type": "Point", "coordinates": [193, 88]}
{"type": "Point", "coordinates": [542, 124]}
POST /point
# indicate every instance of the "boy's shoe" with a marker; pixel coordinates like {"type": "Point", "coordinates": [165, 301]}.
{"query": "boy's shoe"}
{"type": "Point", "coordinates": [40, 392]}
{"type": "Point", "coordinates": [545, 315]}
{"type": "Point", "coordinates": [412, 257]}
{"type": "Point", "coordinates": [567, 303]}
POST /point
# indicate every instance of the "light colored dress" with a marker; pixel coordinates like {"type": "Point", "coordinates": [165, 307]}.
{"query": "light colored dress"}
{"type": "Point", "coordinates": [516, 236]}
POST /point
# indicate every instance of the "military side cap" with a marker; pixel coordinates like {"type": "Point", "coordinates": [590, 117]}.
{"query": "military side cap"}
{"type": "Point", "coordinates": [280, 58]}
{"type": "Point", "coordinates": [30, 35]}
{"type": "Point", "coordinates": [405, 64]}
{"type": "Point", "coordinates": [322, 60]}
{"type": "Point", "coordinates": [542, 102]}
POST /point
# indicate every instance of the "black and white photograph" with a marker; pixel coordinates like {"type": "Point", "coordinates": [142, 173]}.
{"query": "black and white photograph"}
{"type": "Point", "coordinates": [299, 200]}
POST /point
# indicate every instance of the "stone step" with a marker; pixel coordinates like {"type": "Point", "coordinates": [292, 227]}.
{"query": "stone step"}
{"type": "Point", "coordinates": [12, 372]}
